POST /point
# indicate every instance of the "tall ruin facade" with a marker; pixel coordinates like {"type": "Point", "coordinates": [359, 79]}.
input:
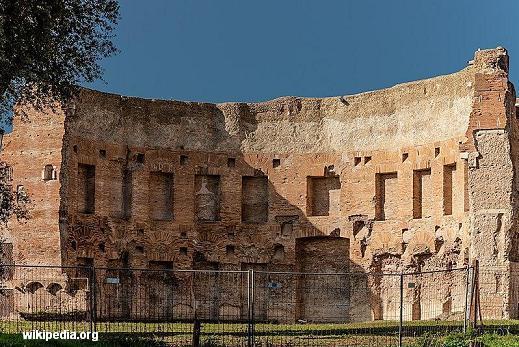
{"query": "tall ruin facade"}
{"type": "Point", "coordinates": [419, 176]}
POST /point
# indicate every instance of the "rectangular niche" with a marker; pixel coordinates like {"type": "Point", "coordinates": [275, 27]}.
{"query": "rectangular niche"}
{"type": "Point", "coordinates": [86, 186]}
{"type": "Point", "coordinates": [386, 195]}
{"type": "Point", "coordinates": [254, 199]}
{"type": "Point", "coordinates": [422, 190]}
{"type": "Point", "coordinates": [6, 258]}
{"type": "Point", "coordinates": [160, 265]}
{"type": "Point", "coordinates": [127, 194]}
{"type": "Point", "coordinates": [6, 253]}
{"type": "Point", "coordinates": [449, 171]}
{"type": "Point", "coordinates": [207, 198]}
{"type": "Point", "coordinates": [322, 254]}
{"type": "Point", "coordinates": [161, 195]}
{"type": "Point", "coordinates": [323, 196]}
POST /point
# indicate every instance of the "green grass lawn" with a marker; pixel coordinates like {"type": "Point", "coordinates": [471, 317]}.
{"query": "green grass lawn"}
{"type": "Point", "coordinates": [16, 340]}
{"type": "Point", "coordinates": [451, 340]}
{"type": "Point", "coordinates": [181, 327]}
{"type": "Point", "coordinates": [375, 333]}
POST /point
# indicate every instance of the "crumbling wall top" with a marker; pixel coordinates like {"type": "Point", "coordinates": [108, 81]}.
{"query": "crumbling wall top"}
{"type": "Point", "coordinates": [407, 114]}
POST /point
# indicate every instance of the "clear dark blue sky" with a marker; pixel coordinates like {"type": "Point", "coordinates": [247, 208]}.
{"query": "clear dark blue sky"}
{"type": "Point", "coordinates": [256, 50]}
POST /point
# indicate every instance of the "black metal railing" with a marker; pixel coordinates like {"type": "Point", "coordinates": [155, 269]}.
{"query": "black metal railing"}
{"type": "Point", "coordinates": [254, 308]}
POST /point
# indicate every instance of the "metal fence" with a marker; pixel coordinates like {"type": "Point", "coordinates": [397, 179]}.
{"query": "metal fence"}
{"type": "Point", "coordinates": [243, 308]}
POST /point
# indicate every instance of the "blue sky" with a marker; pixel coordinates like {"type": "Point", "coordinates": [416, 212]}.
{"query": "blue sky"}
{"type": "Point", "coordinates": [226, 50]}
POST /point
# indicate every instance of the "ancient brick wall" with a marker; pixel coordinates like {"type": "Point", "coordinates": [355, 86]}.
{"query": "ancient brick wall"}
{"type": "Point", "coordinates": [33, 151]}
{"type": "Point", "coordinates": [400, 172]}
{"type": "Point", "coordinates": [492, 160]}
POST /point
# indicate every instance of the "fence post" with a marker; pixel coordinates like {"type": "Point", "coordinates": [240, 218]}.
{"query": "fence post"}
{"type": "Point", "coordinates": [475, 294]}
{"type": "Point", "coordinates": [93, 306]}
{"type": "Point", "coordinates": [248, 311]}
{"type": "Point", "coordinates": [197, 325]}
{"type": "Point", "coordinates": [467, 288]}
{"type": "Point", "coordinates": [401, 318]}
{"type": "Point", "coordinates": [250, 308]}
{"type": "Point", "coordinates": [197, 330]}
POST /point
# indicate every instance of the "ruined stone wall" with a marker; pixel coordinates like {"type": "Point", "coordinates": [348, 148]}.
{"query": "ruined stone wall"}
{"type": "Point", "coordinates": [33, 155]}
{"type": "Point", "coordinates": [510, 283]}
{"type": "Point", "coordinates": [243, 182]}
{"type": "Point", "coordinates": [492, 159]}
{"type": "Point", "coordinates": [403, 173]}
{"type": "Point", "coordinates": [33, 152]}
{"type": "Point", "coordinates": [322, 163]}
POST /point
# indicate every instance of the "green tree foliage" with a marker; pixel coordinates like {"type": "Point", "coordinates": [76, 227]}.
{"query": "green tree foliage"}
{"type": "Point", "coordinates": [48, 47]}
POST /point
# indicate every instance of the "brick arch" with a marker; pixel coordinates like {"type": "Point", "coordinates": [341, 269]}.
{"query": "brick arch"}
{"type": "Point", "coordinates": [33, 286]}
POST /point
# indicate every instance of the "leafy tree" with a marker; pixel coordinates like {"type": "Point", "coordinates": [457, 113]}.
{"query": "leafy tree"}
{"type": "Point", "coordinates": [48, 47]}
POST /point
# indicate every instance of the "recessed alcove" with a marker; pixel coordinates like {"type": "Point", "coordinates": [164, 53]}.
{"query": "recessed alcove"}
{"type": "Point", "coordinates": [207, 198]}
{"type": "Point", "coordinates": [449, 172]}
{"type": "Point", "coordinates": [254, 202]}
{"type": "Point", "coordinates": [323, 196]}
{"type": "Point", "coordinates": [161, 187]}
{"type": "Point", "coordinates": [386, 195]}
{"type": "Point", "coordinates": [422, 189]}
{"type": "Point", "coordinates": [86, 184]}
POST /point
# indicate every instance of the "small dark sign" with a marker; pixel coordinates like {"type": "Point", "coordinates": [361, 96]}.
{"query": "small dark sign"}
{"type": "Point", "coordinates": [273, 285]}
